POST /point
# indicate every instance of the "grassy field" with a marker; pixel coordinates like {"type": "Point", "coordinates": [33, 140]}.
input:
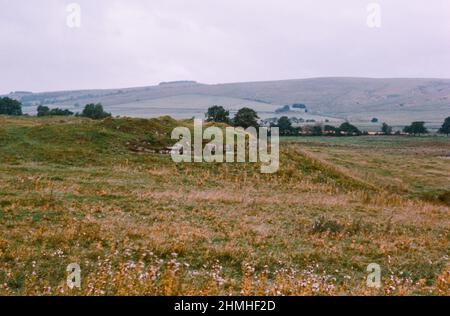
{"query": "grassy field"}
{"type": "Point", "coordinates": [94, 193]}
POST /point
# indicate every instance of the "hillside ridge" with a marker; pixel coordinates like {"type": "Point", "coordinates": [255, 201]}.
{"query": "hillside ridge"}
{"type": "Point", "coordinates": [395, 99]}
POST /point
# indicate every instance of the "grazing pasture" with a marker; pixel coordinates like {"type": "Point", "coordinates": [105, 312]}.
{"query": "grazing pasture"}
{"type": "Point", "coordinates": [78, 191]}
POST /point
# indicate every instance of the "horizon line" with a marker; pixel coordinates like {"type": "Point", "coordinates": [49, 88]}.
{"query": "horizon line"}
{"type": "Point", "coordinates": [223, 83]}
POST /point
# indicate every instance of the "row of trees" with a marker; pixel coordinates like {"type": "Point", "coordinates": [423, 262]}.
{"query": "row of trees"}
{"type": "Point", "coordinates": [418, 128]}
{"type": "Point", "coordinates": [13, 107]}
{"type": "Point", "coordinates": [286, 129]}
{"type": "Point", "coordinates": [93, 111]}
{"type": "Point", "coordinates": [245, 117]}
{"type": "Point", "coordinates": [45, 111]}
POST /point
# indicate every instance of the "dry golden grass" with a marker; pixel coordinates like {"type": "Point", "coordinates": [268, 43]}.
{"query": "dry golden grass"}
{"type": "Point", "coordinates": [142, 225]}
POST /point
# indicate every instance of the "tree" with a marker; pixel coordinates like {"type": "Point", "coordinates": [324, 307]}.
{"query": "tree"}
{"type": "Point", "coordinates": [313, 130]}
{"type": "Point", "coordinates": [316, 130]}
{"type": "Point", "coordinates": [217, 114]}
{"type": "Point", "coordinates": [95, 111]}
{"type": "Point", "coordinates": [45, 111]}
{"type": "Point", "coordinates": [285, 126]}
{"type": "Point", "coordinates": [329, 129]}
{"type": "Point", "coordinates": [9, 106]}
{"type": "Point", "coordinates": [416, 128]}
{"type": "Point", "coordinates": [283, 109]}
{"type": "Point", "coordinates": [386, 129]}
{"type": "Point", "coordinates": [245, 118]}
{"type": "Point", "coordinates": [445, 129]}
{"type": "Point", "coordinates": [60, 112]}
{"type": "Point", "coordinates": [349, 129]}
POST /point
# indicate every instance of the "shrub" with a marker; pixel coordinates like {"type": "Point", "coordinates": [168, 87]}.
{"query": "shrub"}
{"type": "Point", "coordinates": [322, 225]}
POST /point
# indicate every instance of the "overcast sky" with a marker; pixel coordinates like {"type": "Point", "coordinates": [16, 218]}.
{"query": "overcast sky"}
{"type": "Point", "coordinates": [125, 43]}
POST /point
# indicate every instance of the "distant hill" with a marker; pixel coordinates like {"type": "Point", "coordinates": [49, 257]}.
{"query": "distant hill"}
{"type": "Point", "coordinates": [357, 99]}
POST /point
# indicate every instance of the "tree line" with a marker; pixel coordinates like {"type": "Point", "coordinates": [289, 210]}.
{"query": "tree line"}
{"type": "Point", "coordinates": [247, 117]}
{"type": "Point", "coordinates": [286, 129]}
{"type": "Point", "coordinates": [13, 107]}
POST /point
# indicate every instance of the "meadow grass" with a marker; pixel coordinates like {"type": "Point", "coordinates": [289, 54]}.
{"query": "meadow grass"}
{"type": "Point", "coordinates": [78, 191]}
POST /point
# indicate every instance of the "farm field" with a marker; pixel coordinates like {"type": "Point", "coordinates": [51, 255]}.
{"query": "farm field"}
{"type": "Point", "coordinates": [416, 166]}
{"type": "Point", "coordinates": [74, 190]}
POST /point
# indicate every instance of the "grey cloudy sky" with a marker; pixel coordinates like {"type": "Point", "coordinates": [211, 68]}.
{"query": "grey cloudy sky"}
{"type": "Point", "coordinates": [123, 43]}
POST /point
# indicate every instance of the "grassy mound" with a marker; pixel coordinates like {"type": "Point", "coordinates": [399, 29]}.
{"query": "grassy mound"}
{"type": "Point", "coordinates": [78, 141]}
